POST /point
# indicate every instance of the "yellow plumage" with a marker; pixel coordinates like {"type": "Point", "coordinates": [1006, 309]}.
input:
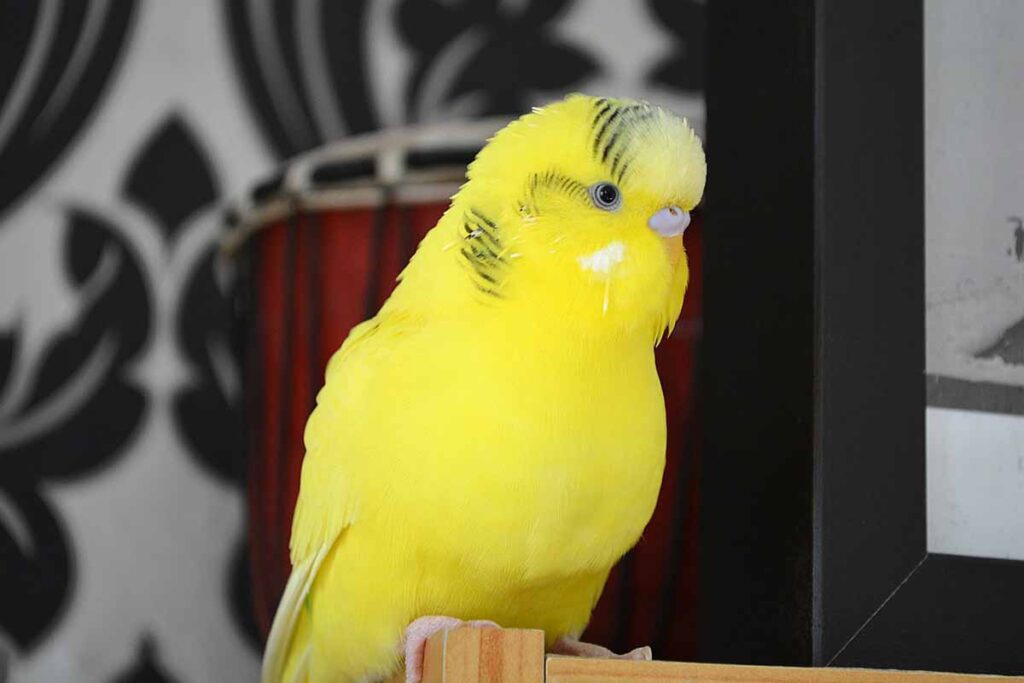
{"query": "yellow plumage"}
{"type": "Point", "coordinates": [493, 441]}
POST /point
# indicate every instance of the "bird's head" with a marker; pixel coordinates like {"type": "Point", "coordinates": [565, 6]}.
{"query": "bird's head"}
{"type": "Point", "coordinates": [577, 210]}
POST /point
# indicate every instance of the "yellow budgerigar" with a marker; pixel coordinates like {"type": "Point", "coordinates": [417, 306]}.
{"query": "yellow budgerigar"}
{"type": "Point", "coordinates": [493, 441]}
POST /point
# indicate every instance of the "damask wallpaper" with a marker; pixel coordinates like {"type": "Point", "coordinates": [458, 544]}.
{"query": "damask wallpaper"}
{"type": "Point", "coordinates": [125, 126]}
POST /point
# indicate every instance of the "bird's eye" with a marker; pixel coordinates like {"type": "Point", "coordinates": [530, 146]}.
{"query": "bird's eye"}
{"type": "Point", "coordinates": [605, 196]}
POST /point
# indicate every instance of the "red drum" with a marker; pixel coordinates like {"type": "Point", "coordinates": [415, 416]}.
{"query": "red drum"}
{"type": "Point", "coordinates": [318, 248]}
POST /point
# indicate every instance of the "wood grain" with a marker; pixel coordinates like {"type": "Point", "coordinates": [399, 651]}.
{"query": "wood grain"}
{"type": "Point", "coordinates": [484, 655]}
{"type": "Point", "coordinates": [576, 670]}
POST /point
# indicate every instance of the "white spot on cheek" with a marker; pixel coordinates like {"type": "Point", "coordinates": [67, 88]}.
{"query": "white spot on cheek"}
{"type": "Point", "coordinates": [605, 259]}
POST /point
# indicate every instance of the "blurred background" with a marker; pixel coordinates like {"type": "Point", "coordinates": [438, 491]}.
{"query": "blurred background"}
{"type": "Point", "coordinates": [126, 128]}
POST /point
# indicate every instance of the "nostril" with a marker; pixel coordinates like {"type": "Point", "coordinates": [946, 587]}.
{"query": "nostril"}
{"type": "Point", "coordinates": [670, 221]}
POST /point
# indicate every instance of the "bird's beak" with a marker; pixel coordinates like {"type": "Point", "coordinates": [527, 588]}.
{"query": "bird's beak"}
{"type": "Point", "coordinates": [670, 223]}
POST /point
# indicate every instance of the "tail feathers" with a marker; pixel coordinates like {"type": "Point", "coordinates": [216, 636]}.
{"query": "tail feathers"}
{"type": "Point", "coordinates": [286, 658]}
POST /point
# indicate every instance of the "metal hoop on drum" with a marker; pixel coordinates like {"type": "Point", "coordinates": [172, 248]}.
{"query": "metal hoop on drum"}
{"type": "Point", "coordinates": [344, 218]}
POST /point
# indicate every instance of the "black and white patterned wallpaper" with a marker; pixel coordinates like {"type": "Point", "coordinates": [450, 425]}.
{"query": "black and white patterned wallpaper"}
{"type": "Point", "coordinates": [124, 126]}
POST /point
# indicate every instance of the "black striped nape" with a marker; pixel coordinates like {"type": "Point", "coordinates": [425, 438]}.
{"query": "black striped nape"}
{"type": "Point", "coordinates": [614, 126]}
{"type": "Point", "coordinates": [554, 181]}
{"type": "Point", "coordinates": [482, 251]}
{"type": "Point", "coordinates": [603, 106]}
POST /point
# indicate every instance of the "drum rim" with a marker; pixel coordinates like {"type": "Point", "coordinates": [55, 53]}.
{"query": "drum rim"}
{"type": "Point", "coordinates": [392, 180]}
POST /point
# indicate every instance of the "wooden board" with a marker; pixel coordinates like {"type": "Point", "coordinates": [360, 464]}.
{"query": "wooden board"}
{"type": "Point", "coordinates": [484, 655]}
{"type": "Point", "coordinates": [575, 670]}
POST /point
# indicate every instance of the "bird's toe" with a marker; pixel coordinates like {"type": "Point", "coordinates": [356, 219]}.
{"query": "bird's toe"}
{"type": "Point", "coordinates": [419, 632]}
{"type": "Point", "coordinates": [643, 654]}
{"type": "Point", "coordinates": [578, 648]}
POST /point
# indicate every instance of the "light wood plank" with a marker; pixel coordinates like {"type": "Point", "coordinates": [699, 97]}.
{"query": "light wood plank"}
{"type": "Point", "coordinates": [484, 655]}
{"type": "Point", "coordinates": [475, 655]}
{"type": "Point", "coordinates": [576, 670]}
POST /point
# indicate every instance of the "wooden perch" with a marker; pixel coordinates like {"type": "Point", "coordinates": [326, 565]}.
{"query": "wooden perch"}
{"type": "Point", "coordinates": [485, 654]}
{"type": "Point", "coordinates": [474, 655]}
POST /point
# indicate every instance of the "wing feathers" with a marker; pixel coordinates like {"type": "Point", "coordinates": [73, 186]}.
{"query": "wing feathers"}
{"type": "Point", "coordinates": [286, 620]}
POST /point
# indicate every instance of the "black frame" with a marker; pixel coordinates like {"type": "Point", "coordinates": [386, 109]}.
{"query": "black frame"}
{"type": "Point", "coordinates": [813, 532]}
{"type": "Point", "coordinates": [755, 381]}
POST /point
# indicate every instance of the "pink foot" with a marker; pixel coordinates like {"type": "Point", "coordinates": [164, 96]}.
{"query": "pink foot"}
{"type": "Point", "coordinates": [577, 648]}
{"type": "Point", "coordinates": [418, 632]}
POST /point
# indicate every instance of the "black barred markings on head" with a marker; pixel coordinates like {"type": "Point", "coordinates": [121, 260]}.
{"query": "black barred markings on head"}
{"type": "Point", "coordinates": [483, 251]}
{"type": "Point", "coordinates": [555, 181]}
{"type": "Point", "coordinates": [615, 126]}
